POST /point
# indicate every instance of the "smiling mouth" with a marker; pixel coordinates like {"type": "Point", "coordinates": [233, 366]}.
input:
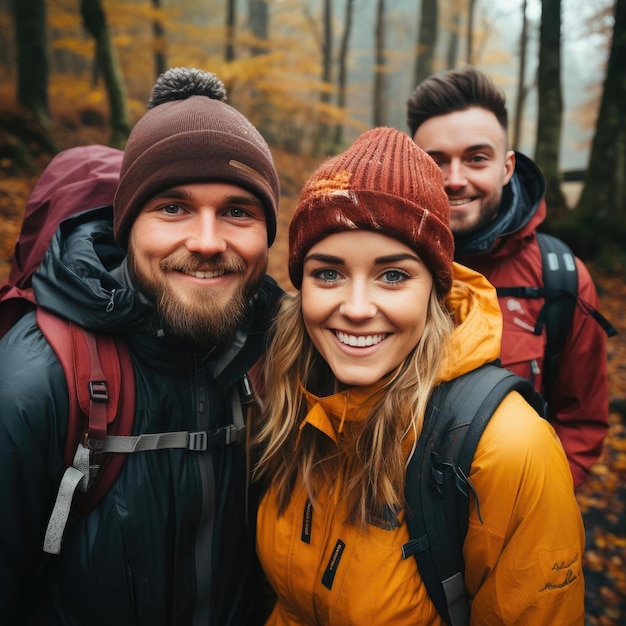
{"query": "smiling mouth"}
{"type": "Point", "coordinates": [459, 201]}
{"type": "Point", "coordinates": [204, 274]}
{"type": "Point", "coordinates": [359, 341]}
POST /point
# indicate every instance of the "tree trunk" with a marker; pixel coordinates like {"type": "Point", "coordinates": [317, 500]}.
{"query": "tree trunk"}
{"type": "Point", "coordinates": [327, 56]}
{"type": "Point", "coordinates": [158, 33]}
{"type": "Point", "coordinates": [603, 199]}
{"type": "Point", "coordinates": [231, 20]}
{"type": "Point", "coordinates": [343, 68]}
{"type": "Point", "coordinates": [380, 94]}
{"type": "Point", "coordinates": [469, 54]}
{"type": "Point", "coordinates": [521, 78]}
{"type": "Point", "coordinates": [426, 41]}
{"type": "Point", "coordinates": [453, 43]}
{"type": "Point", "coordinates": [323, 134]}
{"type": "Point", "coordinates": [550, 109]}
{"type": "Point", "coordinates": [94, 20]}
{"type": "Point", "coordinates": [258, 20]}
{"type": "Point", "coordinates": [258, 24]}
{"type": "Point", "coordinates": [32, 60]}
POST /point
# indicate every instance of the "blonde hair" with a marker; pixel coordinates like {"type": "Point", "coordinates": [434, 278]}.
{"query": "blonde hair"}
{"type": "Point", "coordinates": [380, 446]}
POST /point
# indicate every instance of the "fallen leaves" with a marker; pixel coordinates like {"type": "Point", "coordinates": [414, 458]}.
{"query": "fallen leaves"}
{"type": "Point", "coordinates": [602, 499]}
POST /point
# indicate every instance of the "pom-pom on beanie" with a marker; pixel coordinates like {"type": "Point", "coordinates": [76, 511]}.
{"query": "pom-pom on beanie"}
{"type": "Point", "coordinates": [383, 183]}
{"type": "Point", "coordinates": [190, 135]}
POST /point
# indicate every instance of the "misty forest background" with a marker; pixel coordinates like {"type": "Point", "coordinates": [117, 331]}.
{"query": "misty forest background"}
{"type": "Point", "coordinates": [312, 75]}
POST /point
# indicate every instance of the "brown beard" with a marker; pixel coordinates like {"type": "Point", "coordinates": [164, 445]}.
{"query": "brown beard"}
{"type": "Point", "coordinates": [210, 320]}
{"type": "Point", "coordinates": [488, 214]}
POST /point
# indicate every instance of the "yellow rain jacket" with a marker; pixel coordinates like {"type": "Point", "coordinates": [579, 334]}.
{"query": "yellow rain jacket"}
{"type": "Point", "coordinates": [522, 564]}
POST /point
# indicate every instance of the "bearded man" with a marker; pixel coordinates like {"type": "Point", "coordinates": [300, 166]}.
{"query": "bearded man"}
{"type": "Point", "coordinates": [176, 268]}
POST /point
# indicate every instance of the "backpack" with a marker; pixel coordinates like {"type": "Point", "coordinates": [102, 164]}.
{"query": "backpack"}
{"type": "Point", "coordinates": [97, 367]}
{"type": "Point", "coordinates": [94, 366]}
{"type": "Point", "coordinates": [560, 292]}
{"type": "Point", "coordinates": [438, 488]}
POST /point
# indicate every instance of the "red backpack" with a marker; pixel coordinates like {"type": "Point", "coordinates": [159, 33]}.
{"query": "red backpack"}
{"type": "Point", "coordinates": [76, 179]}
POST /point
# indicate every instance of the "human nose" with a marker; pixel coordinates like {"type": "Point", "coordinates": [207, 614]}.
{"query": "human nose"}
{"type": "Point", "coordinates": [358, 304]}
{"type": "Point", "coordinates": [206, 237]}
{"type": "Point", "coordinates": [454, 175]}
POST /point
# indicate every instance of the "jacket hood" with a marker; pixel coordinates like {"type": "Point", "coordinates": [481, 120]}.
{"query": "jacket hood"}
{"type": "Point", "coordinates": [76, 179]}
{"type": "Point", "coordinates": [476, 338]}
{"type": "Point", "coordinates": [75, 281]}
{"type": "Point", "coordinates": [522, 209]}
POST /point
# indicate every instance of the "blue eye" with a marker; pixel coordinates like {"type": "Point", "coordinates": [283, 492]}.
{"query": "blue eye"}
{"type": "Point", "coordinates": [237, 212]}
{"type": "Point", "coordinates": [394, 276]}
{"type": "Point", "coordinates": [171, 209]}
{"type": "Point", "coordinates": [327, 275]}
{"type": "Point", "coordinates": [478, 159]}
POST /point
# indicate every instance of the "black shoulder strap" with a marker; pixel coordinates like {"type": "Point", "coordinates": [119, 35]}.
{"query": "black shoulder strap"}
{"type": "Point", "coordinates": [560, 281]}
{"type": "Point", "coordinates": [438, 486]}
{"type": "Point", "coordinates": [560, 292]}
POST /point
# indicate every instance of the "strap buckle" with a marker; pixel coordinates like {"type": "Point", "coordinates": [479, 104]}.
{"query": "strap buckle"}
{"type": "Point", "coordinates": [202, 440]}
{"type": "Point", "coordinates": [98, 390]}
{"type": "Point", "coordinates": [198, 441]}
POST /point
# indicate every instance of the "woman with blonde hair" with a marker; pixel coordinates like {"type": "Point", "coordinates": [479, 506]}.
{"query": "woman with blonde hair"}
{"type": "Point", "coordinates": [380, 318]}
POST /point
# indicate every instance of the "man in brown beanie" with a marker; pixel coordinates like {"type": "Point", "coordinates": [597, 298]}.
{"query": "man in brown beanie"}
{"type": "Point", "coordinates": [176, 269]}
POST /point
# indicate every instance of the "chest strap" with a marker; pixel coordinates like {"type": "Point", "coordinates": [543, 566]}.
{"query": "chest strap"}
{"type": "Point", "coordinates": [79, 476]}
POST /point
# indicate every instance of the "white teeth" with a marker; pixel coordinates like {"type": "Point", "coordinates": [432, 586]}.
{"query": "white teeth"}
{"type": "Point", "coordinates": [200, 274]}
{"type": "Point", "coordinates": [458, 201]}
{"type": "Point", "coordinates": [360, 341]}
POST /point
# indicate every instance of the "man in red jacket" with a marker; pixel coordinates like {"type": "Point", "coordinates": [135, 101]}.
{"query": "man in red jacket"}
{"type": "Point", "coordinates": [496, 204]}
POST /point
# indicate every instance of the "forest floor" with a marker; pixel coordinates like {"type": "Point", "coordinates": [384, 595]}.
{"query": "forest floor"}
{"type": "Point", "coordinates": [602, 498]}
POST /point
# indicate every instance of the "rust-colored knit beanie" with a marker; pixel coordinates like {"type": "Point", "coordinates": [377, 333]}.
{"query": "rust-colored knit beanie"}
{"type": "Point", "coordinates": [383, 183]}
{"type": "Point", "coordinates": [191, 135]}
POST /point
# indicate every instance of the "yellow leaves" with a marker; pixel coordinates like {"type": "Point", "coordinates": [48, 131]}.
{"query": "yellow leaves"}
{"type": "Point", "coordinates": [72, 89]}
{"type": "Point", "coordinates": [80, 47]}
{"type": "Point", "coordinates": [14, 194]}
{"type": "Point", "coordinates": [620, 446]}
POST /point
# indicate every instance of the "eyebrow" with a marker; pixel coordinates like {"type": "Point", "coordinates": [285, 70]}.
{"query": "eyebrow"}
{"type": "Point", "coordinates": [475, 148]}
{"type": "Point", "coordinates": [381, 260]}
{"type": "Point", "coordinates": [480, 146]}
{"type": "Point", "coordinates": [182, 194]}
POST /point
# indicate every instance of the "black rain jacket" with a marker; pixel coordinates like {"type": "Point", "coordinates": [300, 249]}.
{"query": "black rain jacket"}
{"type": "Point", "coordinates": [172, 542]}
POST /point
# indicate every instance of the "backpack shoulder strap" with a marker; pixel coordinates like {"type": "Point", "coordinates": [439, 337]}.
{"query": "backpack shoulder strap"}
{"type": "Point", "coordinates": [560, 280]}
{"type": "Point", "coordinates": [99, 404]}
{"type": "Point", "coordinates": [14, 304]}
{"type": "Point", "coordinates": [438, 486]}
{"type": "Point", "coordinates": [560, 294]}
{"type": "Point", "coordinates": [101, 389]}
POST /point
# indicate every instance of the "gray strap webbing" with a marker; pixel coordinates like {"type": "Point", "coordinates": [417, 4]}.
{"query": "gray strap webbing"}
{"type": "Point", "coordinates": [197, 441]}
{"type": "Point", "coordinates": [154, 441]}
{"type": "Point", "coordinates": [238, 419]}
{"type": "Point", "coordinates": [456, 599]}
{"type": "Point", "coordinates": [75, 476]}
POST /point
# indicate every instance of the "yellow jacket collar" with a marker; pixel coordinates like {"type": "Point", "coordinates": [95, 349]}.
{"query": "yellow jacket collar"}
{"type": "Point", "coordinates": [350, 405]}
{"type": "Point", "coordinates": [476, 338]}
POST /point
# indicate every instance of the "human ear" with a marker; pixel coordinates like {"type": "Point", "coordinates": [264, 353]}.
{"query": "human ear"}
{"type": "Point", "coordinates": [509, 166]}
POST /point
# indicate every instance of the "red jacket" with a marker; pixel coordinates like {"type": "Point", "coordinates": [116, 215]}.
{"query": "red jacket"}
{"type": "Point", "coordinates": [578, 404]}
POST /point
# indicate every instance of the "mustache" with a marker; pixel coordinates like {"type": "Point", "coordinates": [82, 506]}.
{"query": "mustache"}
{"type": "Point", "coordinates": [197, 263]}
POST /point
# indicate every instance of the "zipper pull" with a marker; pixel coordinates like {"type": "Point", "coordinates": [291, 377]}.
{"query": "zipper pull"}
{"type": "Point", "coordinates": [111, 304]}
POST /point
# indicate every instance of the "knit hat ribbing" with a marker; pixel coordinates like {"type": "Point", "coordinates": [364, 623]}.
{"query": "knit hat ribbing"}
{"type": "Point", "coordinates": [383, 183]}
{"type": "Point", "coordinates": [196, 139]}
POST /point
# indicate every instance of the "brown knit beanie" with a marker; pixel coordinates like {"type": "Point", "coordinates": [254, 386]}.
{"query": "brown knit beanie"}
{"type": "Point", "coordinates": [383, 183]}
{"type": "Point", "coordinates": [190, 135]}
